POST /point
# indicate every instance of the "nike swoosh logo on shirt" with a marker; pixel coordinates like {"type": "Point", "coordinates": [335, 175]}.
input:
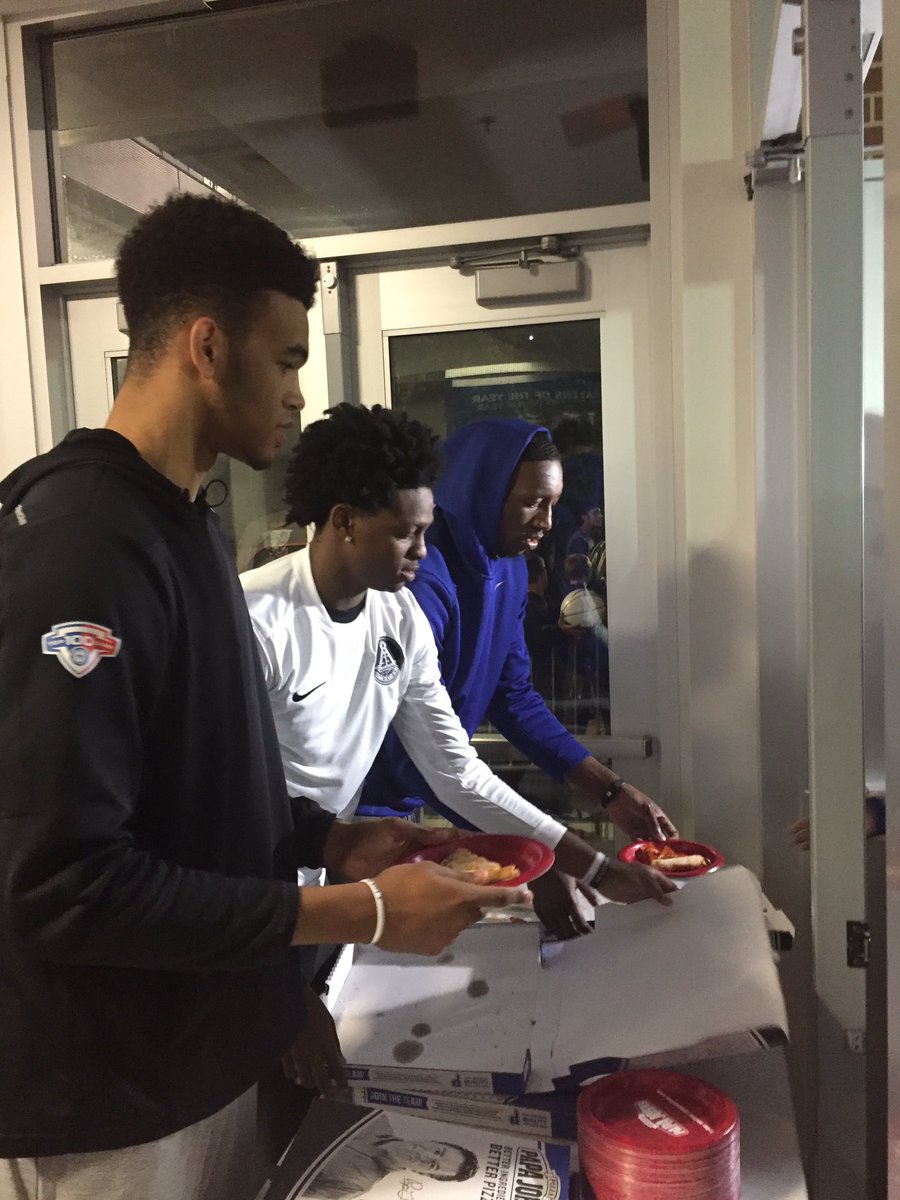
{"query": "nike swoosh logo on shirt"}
{"type": "Point", "coordinates": [298, 696]}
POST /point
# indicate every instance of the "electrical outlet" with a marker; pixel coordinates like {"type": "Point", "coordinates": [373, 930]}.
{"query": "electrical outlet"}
{"type": "Point", "coordinates": [856, 1040]}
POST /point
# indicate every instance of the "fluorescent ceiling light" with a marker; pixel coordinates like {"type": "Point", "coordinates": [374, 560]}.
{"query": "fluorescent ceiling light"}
{"type": "Point", "coordinates": [511, 368]}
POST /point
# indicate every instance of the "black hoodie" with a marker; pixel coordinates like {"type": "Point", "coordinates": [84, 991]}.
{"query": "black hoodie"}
{"type": "Point", "coordinates": [149, 849]}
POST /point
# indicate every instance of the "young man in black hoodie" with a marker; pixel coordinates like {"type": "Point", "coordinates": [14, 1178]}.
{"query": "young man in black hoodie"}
{"type": "Point", "coordinates": [150, 921]}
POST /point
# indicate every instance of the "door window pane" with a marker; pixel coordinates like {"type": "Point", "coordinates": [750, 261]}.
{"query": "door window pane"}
{"type": "Point", "coordinates": [351, 116]}
{"type": "Point", "coordinates": [250, 504]}
{"type": "Point", "coordinates": [548, 373]}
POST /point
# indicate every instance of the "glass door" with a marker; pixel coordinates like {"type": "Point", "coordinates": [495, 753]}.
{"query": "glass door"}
{"type": "Point", "coordinates": [579, 367]}
{"type": "Point", "coordinates": [547, 372]}
{"type": "Point", "coordinates": [249, 503]}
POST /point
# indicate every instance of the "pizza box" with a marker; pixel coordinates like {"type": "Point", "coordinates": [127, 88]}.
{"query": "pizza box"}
{"type": "Point", "coordinates": [653, 985]}
{"type": "Point", "coordinates": [649, 986]}
{"type": "Point", "coordinates": [459, 1023]}
{"type": "Point", "coordinates": [550, 1114]}
{"type": "Point", "coordinates": [345, 1152]}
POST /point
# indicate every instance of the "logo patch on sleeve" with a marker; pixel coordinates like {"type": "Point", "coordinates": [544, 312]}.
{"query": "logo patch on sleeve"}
{"type": "Point", "coordinates": [79, 645]}
{"type": "Point", "coordinates": [388, 660]}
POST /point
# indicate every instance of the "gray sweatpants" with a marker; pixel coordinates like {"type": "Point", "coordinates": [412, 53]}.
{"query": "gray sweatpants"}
{"type": "Point", "coordinates": [212, 1160]}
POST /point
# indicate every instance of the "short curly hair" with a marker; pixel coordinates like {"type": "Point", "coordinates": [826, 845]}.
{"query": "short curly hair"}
{"type": "Point", "coordinates": [358, 456]}
{"type": "Point", "coordinates": [202, 254]}
{"type": "Point", "coordinates": [540, 449]}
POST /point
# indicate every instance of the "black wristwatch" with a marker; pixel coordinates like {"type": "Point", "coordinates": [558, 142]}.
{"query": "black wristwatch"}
{"type": "Point", "coordinates": [601, 872]}
{"type": "Point", "coordinates": [612, 791]}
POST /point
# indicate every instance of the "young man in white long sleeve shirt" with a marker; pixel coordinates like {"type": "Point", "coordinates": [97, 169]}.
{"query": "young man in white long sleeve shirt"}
{"type": "Point", "coordinates": [347, 652]}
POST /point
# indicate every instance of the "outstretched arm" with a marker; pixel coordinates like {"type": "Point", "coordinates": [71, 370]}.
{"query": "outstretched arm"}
{"type": "Point", "coordinates": [629, 808]}
{"type": "Point", "coordinates": [522, 716]}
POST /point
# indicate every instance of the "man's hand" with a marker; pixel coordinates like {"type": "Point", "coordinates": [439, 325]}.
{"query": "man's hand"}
{"type": "Point", "coordinates": [638, 816]}
{"type": "Point", "coordinates": [315, 1060]}
{"type": "Point", "coordinates": [801, 829]}
{"type": "Point", "coordinates": [426, 907]}
{"type": "Point", "coordinates": [360, 849]}
{"type": "Point", "coordinates": [627, 883]}
{"type": "Point", "coordinates": [573, 631]}
{"type": "Point", "coordinates": [800, 833]}
{"type": "Point", "coordinates": [635, 814]}
{"type": "Point", "coordinates": [556, 903]}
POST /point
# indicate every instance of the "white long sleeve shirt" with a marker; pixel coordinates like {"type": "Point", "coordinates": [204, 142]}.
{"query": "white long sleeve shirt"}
{"type": "Point", "coordinates": [335, 687]}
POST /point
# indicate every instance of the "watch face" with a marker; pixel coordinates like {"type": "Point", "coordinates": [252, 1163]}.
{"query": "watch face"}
{"type": "Point", "coordinates": [612, 791]}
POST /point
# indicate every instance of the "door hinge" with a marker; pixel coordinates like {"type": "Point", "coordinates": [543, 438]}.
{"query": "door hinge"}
{"type": "Point", "coordinates": [858, 939]}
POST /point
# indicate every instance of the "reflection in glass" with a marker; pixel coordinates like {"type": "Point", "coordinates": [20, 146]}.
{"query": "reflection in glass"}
{"type": "Point", "coordinates": [250, 504]}
{"type": "Point", "coordinates": [549, 373]}
{"type": "Point", "coordinates": [346, 117]}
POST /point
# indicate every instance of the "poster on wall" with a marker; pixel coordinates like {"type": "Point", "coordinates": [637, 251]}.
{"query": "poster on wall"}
{"type": "Point", "coordinates": [546, 401]}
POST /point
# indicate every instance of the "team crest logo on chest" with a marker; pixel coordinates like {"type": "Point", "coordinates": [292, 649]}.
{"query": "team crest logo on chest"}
{"type": "Point", "coordinates": [79, 645]}
{"type": "Point", "coordinates": [388, 660]}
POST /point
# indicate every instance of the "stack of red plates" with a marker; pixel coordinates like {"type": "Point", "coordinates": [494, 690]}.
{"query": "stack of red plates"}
{"type": "Point", "coordinates": [649, 1134]}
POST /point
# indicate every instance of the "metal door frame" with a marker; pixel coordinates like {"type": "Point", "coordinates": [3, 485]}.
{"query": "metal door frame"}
{"type": "Point", "coordinates": [632, 740]}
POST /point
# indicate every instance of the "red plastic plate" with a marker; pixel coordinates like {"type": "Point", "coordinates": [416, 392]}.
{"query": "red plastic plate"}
{"type": "Point", "coordinates": [640, 1110]}
{"type": "Point", "coordinates": [714, 860]}
{"type": "Point", "coordinates": [532, 858]}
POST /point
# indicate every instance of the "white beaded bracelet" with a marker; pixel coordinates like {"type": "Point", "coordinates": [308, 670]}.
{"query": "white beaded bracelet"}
{"type": "Point", "coordinates": [378, 897]}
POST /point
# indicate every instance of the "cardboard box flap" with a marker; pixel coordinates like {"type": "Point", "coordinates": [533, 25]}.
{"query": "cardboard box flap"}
{"type": "Point", "coordinates": [653, 980]}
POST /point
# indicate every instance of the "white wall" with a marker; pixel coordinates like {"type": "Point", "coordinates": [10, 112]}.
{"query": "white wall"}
{"type": "Point", "coordinates": [93, 335]}
{"type": "Point", "coordinates": [702, 249]}
{"type": "Point", "coordinates": [782, 450]}
{"type": "Point", "coordinates": [892, 567]}
{"type": "Point", "coordinates": [873, 450]}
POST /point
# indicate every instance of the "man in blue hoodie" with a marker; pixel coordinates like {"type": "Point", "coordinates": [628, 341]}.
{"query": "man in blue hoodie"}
{"type": "Point", "coordinates": [495, 500]}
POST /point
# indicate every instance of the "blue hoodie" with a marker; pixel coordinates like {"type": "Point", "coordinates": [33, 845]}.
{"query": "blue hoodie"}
{"type": "Point", "coordinates": [475, 603]}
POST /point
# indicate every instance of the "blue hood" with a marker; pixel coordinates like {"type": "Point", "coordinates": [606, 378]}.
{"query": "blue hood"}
{"type": "Point", "coordinates": [474, 601]}
{"type": "Point", "coordinates": [479, 463]}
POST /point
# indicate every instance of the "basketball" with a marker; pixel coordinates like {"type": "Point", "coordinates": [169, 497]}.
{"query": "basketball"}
{"type": "Point", "coordinates": [582, 608]}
